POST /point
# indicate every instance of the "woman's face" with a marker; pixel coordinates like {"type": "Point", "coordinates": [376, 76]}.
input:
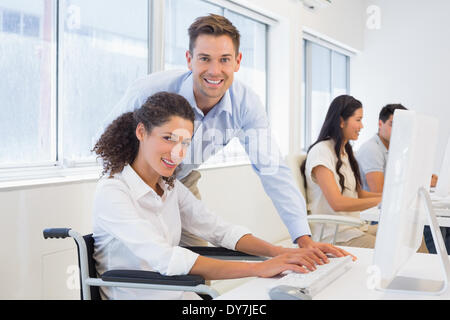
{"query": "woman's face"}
{"type": "Point", "coordinates": [165, 147]}
{"type": "Point", "coordinates": [352, 126]}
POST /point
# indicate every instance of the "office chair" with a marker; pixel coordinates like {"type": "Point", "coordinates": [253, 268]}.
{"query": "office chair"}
{"type": "Point", "coordinates": [141, 279]}
{"type": "Point", "coordinates": [294, 162]}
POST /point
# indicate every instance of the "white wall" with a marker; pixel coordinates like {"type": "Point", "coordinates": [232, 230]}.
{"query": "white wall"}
{"type": "Point", "coordinates": [406, 61]}
{"type": "Point", "coordinates": [343, 22]}
{"type": "Point", "coordinates": [34, 268]}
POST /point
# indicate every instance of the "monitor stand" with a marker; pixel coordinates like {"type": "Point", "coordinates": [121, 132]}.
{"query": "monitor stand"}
{"type": "Point", "coordinates": [402, 284]}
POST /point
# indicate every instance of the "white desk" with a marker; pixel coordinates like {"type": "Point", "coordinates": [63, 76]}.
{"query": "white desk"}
{"type": "Point", "coordinates": [373, 214]}
{"type": "Point", "coordinates": [354, 283]}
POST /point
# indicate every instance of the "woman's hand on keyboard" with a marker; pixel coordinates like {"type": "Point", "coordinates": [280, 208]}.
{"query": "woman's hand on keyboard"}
{"type": "Point", "coordinates": [301, 262]}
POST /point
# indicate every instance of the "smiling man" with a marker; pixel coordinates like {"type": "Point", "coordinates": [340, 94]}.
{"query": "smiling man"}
{"type": "Point", "coordinates": [226, 108]}
{"type": "Point", "coordinates": [213, 64]}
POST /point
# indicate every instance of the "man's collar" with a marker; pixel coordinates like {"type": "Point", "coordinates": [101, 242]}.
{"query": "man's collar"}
{"type": "Point", "coordinates": [225, 104]}
{"type": "Point", "coordinates": [187, 91]}
{"type": "Point", "coordinates": [379, 141]}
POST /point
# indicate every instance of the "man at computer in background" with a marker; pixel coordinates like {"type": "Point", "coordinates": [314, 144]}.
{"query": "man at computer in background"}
{"type": "Point", "coordinates": [373, 154]}
{"type": "Point", "coordinates": [372, 158]}
{"type": "Point", "coordinates": [226, 108]}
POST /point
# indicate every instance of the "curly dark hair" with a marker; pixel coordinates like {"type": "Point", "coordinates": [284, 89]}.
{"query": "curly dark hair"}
{"type": "Point", "coordinates": [118, 146]}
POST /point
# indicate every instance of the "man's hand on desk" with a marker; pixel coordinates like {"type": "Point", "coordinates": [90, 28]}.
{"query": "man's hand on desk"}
{"type": "Point", "coordinates": [324, 248]}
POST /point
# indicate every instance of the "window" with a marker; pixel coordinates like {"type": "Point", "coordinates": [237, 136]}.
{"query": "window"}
{"type": "Point", "coordinates": [11, 21]}
{"type": "Point", "coordinates": [64, 65]}
{"type": "Point", "coordinates": [27, 124]}
{"type": "Point", "coordinates": [325, 76]}
{"type": "Point", "coordinates": [180, 14]}
{"type": "Point", "coordinates": [31, 25]}
{"type": "Point", "coordinates": [101, 53]}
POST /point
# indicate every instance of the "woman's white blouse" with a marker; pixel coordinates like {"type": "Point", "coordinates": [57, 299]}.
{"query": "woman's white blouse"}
{"type": "Point", "coordinates": [323, 154]}
{"type": "Point", "coordinates": [136, 229]}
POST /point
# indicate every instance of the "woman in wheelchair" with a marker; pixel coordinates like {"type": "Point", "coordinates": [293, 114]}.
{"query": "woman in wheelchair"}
{"type": "Point", "coordinates": [140, 208]}
{"type": "Point", "coordinates": [332, 175]}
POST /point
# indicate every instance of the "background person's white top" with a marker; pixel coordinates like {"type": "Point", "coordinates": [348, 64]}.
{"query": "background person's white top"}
{"type": "Point", "coordinates": [372, 156]}
{"type": "Point", "coordinates": [136, 229]}
{"type": "Point", "coordinates": [323, 154]}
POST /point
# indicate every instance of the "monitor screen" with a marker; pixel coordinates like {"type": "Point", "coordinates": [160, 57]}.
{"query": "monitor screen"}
{"type": "Point", "coordinates": [409, 167]}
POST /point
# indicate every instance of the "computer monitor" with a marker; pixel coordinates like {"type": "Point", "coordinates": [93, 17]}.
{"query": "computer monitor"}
{"type": "Point", "coordinates": [406, 204]}
{"type": "Point", "coordinates": [443, 184]}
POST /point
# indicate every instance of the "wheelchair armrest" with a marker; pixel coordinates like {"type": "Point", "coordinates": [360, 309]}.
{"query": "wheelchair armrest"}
{"type": "Point", "coordinates": [150, 277]}
{"type": "Point", "coordinates": [223, 253]}
{"type": "Point", "coordinates": [56, 233]}
{"type": "Point", "coordinates": [328, 218]}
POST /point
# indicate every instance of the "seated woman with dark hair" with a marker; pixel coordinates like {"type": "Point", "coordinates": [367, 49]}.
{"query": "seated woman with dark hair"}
{"type": "Point", "coordinates": [140, 208]}
{"type": "Point", "coordinates": [332, 175]}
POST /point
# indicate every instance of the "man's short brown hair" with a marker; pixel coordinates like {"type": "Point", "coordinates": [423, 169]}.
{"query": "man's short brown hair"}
{"type": "Point", "coordinates": [216, 25]}
{"type": "Point", "coordinates": [388, 110]}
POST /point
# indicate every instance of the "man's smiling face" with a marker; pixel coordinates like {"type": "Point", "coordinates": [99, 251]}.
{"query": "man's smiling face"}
{"type": "Point", "coordinates": [213, 63]}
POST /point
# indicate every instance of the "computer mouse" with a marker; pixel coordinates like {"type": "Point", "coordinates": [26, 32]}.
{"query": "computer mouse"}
{"type": "Point", "coordinates": [284, 292]}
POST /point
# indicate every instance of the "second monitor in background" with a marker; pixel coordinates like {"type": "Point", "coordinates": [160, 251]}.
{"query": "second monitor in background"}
{"type": "Point", "coordinates": [406, 204]}
{"type": "Point", "coordinates": [443, 184]}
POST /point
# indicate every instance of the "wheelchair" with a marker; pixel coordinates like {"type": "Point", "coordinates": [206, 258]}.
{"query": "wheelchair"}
{"type": "Point", "coordinates": [90, 282]}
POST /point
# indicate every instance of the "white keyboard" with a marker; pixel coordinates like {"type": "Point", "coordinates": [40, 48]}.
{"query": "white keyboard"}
{"type": "Point", "coordinates": [441, 206]}
{"type": "Point", "coordinates": [442, 212]}
{"type": "Point", "coordinates": [313, 282]}
{"type": "Point", "coordinates": [441, 209]}
{"type": "Point", "coordinates": [437, 199]}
